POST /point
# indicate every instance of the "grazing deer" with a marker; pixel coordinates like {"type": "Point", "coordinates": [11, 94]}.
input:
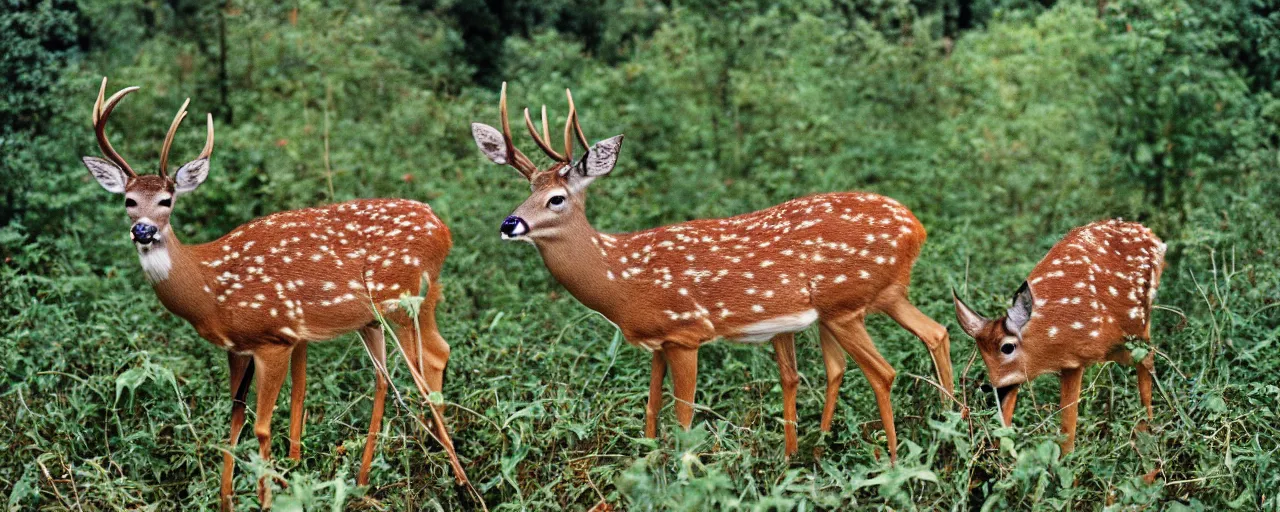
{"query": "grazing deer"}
{"type": "Point", "coordinates": [830, 258]}
{"type": "Point", "coordinates": [1093, 290]}
{"type": "Point", "coordinates": [267, 288]}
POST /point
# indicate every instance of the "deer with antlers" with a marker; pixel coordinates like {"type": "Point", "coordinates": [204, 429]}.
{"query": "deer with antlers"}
{"type": "Point", "coordinates": [269, 287]}
{"type": "Point", "coordinates": [762, 276]}
{"type": "Point", "coordinates": [1091, 292]}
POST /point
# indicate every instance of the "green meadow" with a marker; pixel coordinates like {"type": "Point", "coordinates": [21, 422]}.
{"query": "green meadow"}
{"type": "Point", "coordinates": [1001, 124]}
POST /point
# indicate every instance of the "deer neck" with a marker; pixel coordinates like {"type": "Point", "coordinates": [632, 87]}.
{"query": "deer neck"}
{"type": "Point", "coordinates": [176, 277]}
{"type": "Point", "coordinates": [576, 260]}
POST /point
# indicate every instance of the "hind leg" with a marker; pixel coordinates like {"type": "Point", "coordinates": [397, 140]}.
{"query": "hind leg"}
{"type": "Point", "coordinates": [1146, 373]}
{"type": "Point", "coordinates": [851, 333]}
{"type": "Point", "coordinates": [835, 361]}
{"type": "Point", "coordinates": [297, 396]}
{"type": "Point", "coordinates": [427, 354]}
{"type": "Point", "coordinates": [934, 336]}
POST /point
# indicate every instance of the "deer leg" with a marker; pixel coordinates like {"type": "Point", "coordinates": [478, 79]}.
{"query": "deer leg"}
{"type": "Point", "coordinates": [272, 363]}
{"type": "Point", "coordinates": [784, 350]}
{"type": "Point", "coordinates": [1006, 403]}
{"type": "Point", "coordinates": [657, 371]}
{"type": "Point", "coordinates": [1146, 375]}
{"type": "Point", "coordinates": [833, 357]}
{"type": "Point", "coordinates": [375, 342]}
{"type": "Point", "coordinates": [852, 336]}
{"type": "Point", "coordinates": [1069, 403]}
{"type": "Point", "coordinates": [684, 378]}
{"type": "Point", "coordinates": [297, 396]}
{"type": "Point", "coordinates": [428, 354]}
{"type": "Point", "coordinates": [934, 336]}
{"type": "Point", "coordinates": [241, 375]}
{"type": "Point", "coordinates": [433, 353]}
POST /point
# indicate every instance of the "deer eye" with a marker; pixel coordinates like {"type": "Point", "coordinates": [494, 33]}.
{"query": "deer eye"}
{"type": "Point", "coordinates": [166, 202]}
{"type": "Point", "coordinates": [1007, 348]}
{"type": "Point", "coordinates": [555, 201]}
{"type": "Point", "coordinates": [129, 203]}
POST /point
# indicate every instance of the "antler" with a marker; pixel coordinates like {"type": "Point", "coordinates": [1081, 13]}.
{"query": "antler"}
{"type": "Point", "coordinates": [102, 111]}
{"type": "Point", "coordinates": [543, 144]}
{"type": "Point", "coordinates": [173, 130]}
{"type": "Point", "coordinates": [577, 128]}
{"type": "Point", "coordinates": [168, 138]}
{"type": "Point", "coordinates": [514, 157]}
{"type": "Point", "coordinates": [570, 126]}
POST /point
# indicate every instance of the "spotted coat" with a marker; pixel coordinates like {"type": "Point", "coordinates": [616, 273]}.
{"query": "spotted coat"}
{"type": "Point", "coordinates": [1094, 287]}
{"type": "Point", "coordinates": [753, 275]}
{"type": "Point", "coordinates": [315, 273]}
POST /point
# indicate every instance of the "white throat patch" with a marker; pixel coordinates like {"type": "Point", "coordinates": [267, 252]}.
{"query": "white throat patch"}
{"type": "Point", "coordinates": [155, 262]}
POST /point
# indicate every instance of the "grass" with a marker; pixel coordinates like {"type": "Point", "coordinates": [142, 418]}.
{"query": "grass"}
{"type": "Point", "coordinates": [124, 405]}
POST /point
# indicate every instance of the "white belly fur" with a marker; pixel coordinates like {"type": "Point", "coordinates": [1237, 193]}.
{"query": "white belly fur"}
{"type": "Point", "coordinates": [765, 330]}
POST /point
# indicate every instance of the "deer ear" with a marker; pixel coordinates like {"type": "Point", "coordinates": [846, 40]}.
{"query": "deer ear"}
{"type": "Point", "coordinates": [598, 162]}
{"type": "Point", "coordinates": [970, 321]}
{"type": "Point", "coordinates": [603, 156]}
{"type": "Point", "coordinates": [108, 174]}
{"type": "Point", "coordinates": [1020, 312]}
{"type": "Point", "coordinates": [490, 142]}
{"type": "Point", "coordinates": [191, 175]}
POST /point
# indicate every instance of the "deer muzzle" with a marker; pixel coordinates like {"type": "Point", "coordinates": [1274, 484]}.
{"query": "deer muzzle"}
{"type": "Point", "coordinates": [143, 233]}
{"type": "Point", "coordinates": [513, 227]}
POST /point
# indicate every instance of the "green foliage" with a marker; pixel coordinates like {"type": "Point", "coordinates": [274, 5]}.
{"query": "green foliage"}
{"type": "Point", "coordinates": [1001, 124]}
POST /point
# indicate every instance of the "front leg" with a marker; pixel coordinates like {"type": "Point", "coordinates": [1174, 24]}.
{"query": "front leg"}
{"type": "Point", "coordinates": [657, 371]}
{"type": "Point", "coordinates": [684, 378]}
{"type": "Point", "coordinates": [272, 363]}
{"type": "Point", "coordinates": [241, 375]}
{"type": "Point", "coordinates": [1071, 380]}
{"type": "Point", "coordinates": [1146, 376]}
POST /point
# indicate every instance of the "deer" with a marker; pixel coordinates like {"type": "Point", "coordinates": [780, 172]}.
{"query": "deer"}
{"type": "Point", "coordinates": [1092, 292]}
{"type": "Point", "coordinates": [762, 276]}
{"type": "Point", "coordinates": [269, 287]}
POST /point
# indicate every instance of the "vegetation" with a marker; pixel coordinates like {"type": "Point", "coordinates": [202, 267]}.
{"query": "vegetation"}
{"type": "Point", "coordinates": [1001, 123]}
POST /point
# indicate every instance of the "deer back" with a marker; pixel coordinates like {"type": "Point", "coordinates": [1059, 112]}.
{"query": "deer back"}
{"type": "Point", "coordinates": [317, 273]}
{"type": "Point", "coordinates": [1095, 287]}
{"type": "Point", "coordinates": [746, 277]}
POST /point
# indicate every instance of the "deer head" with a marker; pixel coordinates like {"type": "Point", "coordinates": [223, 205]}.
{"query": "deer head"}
{"type": "Point", "coordinates": [148, 198]}
{"type": "Point", "coordinates": [1001, 345]}
{"type": "Point", "coordinates": [558, 198]}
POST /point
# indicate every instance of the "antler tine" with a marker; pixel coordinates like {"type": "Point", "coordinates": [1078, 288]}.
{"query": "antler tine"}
{"type": "Point", "coordinates": [101, 112]}
{"type": "Point", "coordinates": [97, 105]}
{"type": "Point", "coordinates": [168, 138]}
{"type": "Point", "coordinates": [208, 140]}
{"type": "Point", "coordinates": [577, 127]}
{"type": "Point", "coordinates": [542, 144]}
{"type": "Point", "coordinates": [514, 157]}
{"type": "Point", "coordinates": [546, 134]}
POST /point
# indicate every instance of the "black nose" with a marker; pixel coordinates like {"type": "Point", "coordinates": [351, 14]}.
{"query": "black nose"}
{"type": "Point", "coordinates": [143, 233]}
{"type": "Point", "coordinates": [513, 226]}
